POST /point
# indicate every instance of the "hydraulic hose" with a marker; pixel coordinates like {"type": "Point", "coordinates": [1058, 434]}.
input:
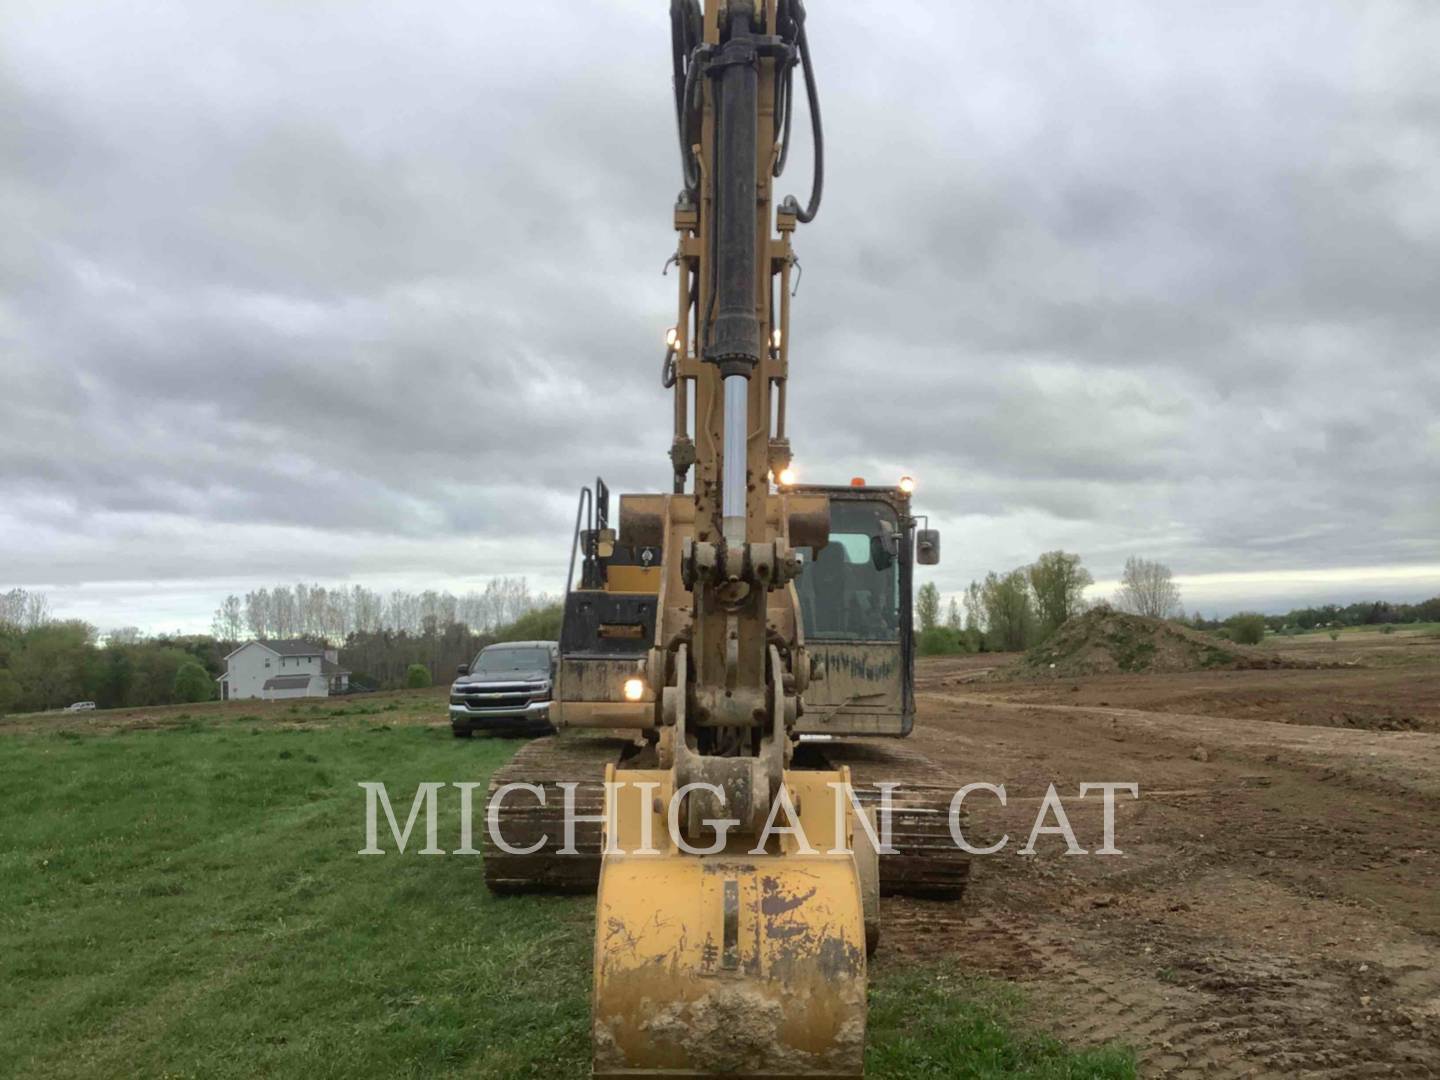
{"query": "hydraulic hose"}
{"type": "Point", "coordinates": [784, 98]}
{"type": "Point", "coordinates": [685, 33]}
{"type": "Point", "coordinates": [817, 184]}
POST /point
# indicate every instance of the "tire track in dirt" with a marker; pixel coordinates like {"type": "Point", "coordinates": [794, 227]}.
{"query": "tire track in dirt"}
{"type": "Point", "coordinates": [1270, 917]}
{"type": "Point", "coordinates": [1388, 759]}
{"type": "Point", "coordinates": [1080, 1001]}
{"type": "Point", "coordinates": [1225, 1015]}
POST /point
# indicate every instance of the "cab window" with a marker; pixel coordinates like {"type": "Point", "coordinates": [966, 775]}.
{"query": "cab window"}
{"type": "Point", "coordinates": [850, 591]}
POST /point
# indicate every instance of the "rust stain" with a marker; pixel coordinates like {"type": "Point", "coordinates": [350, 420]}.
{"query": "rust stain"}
{"type": "Point", "coordinates": [840, 958]}
{"type": "Point", "coordinates": [616, 928]}
{"type": "Point", "coordinates": [774, 902]}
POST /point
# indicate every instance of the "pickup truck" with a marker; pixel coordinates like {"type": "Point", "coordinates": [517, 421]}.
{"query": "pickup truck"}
{"type": "Point", "coordinates": [505, 691]}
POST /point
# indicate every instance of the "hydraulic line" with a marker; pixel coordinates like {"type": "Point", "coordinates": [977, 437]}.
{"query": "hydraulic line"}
{"type": "Point", "coordinates": [685, 31]}
{"type": "Point", "coordinates": [817, 184]}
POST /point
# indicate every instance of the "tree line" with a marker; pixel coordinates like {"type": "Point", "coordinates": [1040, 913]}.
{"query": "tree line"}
{"type": "Point", "coordinates": [1368, 613]}
{"type": "Point", "coordinates": [387, 659]}
{"type": "Point", "coordinates": [1016, 610]}
{"type": "Point", "coordinates": [48, 663]}
{"type": "Point", "coordinates": [333, 615]}
{"type": "Point", "coordinates": [54, 663]}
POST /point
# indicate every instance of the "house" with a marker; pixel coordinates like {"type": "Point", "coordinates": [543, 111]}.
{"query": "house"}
{"type": "Point", "coordinates": [272, 670]}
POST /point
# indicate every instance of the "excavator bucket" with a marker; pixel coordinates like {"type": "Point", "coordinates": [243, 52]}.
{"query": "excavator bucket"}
{"type": "Point", "coordinates": [730, 964]}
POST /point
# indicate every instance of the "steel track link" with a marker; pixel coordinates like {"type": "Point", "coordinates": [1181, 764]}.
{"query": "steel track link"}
{"type": "Point", "coordinates": [927, 862]}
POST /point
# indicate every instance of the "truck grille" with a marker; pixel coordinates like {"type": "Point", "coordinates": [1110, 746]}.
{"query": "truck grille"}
{"type": "Point", "coordinates": [497, 701]}
{"type": "Point", "coordinates": [500, 696]}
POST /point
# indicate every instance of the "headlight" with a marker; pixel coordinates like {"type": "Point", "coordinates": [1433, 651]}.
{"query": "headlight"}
{"type": "Point", "coordinates": [634, 689]}
{"type": "Point", "coordinates": [907, 485]}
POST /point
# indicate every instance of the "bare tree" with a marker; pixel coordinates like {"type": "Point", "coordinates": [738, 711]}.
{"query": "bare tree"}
{"type": "Point", "coordinates": [333, 615]}
{"type": "Point", "coordinates": [257, 613]}
{"type": "Point", "coordinates": [24, 610]}
{"type": "Point", "coordinates": [339, 615]}
{"type": "Point", "coordinates": [229, 621]}
{"type": "Point", "coordinates": [37, 610]}
{"type": "Point", "coordinates": [282, 612]}
{"type": "Point", "coordinates": [1147, 588]}
{"type": "Point", "coordinates": [974, 607]}
{"type": "Point", "coordinates": [368, 609]}
{"type": "Point", "coordinates": [12, 608]}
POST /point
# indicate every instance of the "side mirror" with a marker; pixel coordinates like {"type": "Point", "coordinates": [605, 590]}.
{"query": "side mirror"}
{"type": "Point", "coordinates": [463, 669]}
{"type": "Point", "coordinates": [927, 546]}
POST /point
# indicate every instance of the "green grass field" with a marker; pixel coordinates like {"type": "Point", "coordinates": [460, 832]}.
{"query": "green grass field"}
{"type": "Point", "coordinates": [187, 900]}
{"type": "Point", "coordinates": [1410, 628]}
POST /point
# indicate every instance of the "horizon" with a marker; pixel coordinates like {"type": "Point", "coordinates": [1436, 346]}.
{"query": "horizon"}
{"type": "Point", "coordinates": [1269, 595]}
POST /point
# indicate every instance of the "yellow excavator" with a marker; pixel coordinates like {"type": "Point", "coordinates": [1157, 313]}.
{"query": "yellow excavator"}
{"type": "Point", "coordinates": [750, 639]}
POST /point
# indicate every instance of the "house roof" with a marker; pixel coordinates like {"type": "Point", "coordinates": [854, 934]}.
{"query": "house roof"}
{"type": "Point", "coordinates": [287, 682]}
{"type": "Point", "coordinates": [289, 647]}
{"type": "Point", "coordinates": [293, 647]}
{"type": "Point", "coordinates": [327, 668]}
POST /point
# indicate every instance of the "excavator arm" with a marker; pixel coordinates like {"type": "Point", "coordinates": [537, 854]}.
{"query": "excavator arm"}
{"type": "Point", "coordinates": [737, 891]}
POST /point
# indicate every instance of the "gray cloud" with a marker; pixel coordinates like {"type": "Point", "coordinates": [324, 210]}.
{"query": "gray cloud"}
{"type": "Point", "coordinates": [308, 292]}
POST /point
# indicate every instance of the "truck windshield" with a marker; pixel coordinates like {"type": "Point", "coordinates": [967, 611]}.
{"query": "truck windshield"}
{"type": "Point", "coordinates": [843, 595]}
{"type": "Point", "coordinates": [496, 661]}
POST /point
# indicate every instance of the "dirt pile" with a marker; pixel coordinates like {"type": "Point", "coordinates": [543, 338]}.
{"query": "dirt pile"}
{"type": "Point", "coordinates": [1104, 641]}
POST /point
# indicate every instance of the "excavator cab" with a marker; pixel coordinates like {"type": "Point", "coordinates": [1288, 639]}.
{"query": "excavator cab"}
{"type": "Point", "coordinates": [856, 612]}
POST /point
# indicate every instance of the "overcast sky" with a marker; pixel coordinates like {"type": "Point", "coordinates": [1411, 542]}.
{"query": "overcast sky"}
{"type": "Point", "coordinates": [363, 292]}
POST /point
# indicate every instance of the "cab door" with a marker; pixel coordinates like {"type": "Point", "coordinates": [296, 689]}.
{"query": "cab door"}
{"type": "Point", "coordinates": [855, 606]}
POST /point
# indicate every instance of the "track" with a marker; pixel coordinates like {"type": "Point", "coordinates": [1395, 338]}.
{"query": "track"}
{"type": "Point", "coordinates": [926, 863]}
{"type": "Point", "coordinates": [548, 763]}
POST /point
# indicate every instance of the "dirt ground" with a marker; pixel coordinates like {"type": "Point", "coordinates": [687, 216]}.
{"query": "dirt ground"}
{"type": "Point", "coordinates": [1276, 908]}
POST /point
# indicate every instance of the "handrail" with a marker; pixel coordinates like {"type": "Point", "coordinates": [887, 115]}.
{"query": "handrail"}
{"type": "Point", "coordinates": [585, 499]}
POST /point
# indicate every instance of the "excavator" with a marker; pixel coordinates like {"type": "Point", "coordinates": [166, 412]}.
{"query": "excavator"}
{"type": "Point", "coordinates": [737, 657]}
